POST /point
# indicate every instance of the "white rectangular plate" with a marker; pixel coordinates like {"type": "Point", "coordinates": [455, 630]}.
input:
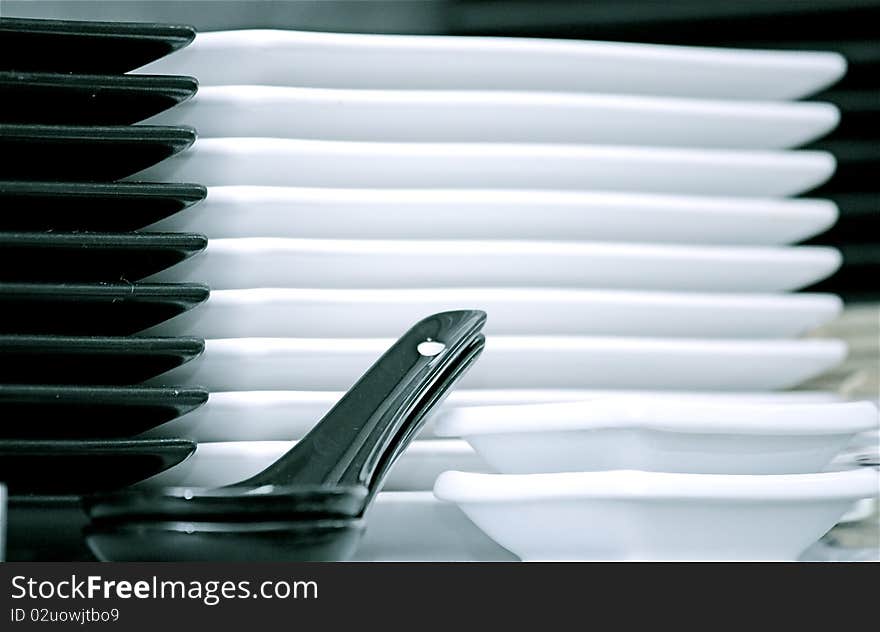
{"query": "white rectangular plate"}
{"type": "Point", "coordinates": [312, 263]}
{"type": "Point", "coordinates": [335, 60]}
{"type": "Point", "coordinates": [248, 364]}
{"type": "Point", "coordinates": [347, 164]}
{"type": "Point", "coordinates": [512, 117]}
{"type": "Point", "coordinates": [319, 313]}
{"type": "Point", "coordinates": [258, 211]}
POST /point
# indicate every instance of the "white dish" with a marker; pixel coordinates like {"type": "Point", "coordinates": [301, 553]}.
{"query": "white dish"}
{"type": "Point", "coordinates": [318, 313]}
{"type": "Point", "coordinates": [416, 527]}
{"type": "Point", "coordinates": [270, 262]}
{"type": "Point", "coordinates": [288, 415]}
{"type": "Point", "coordinates": [629, 515]}
{"type": "Point", "coordinates": [346, 164]}
{"type": "Point", "coordinates": [450, 116]}
{"type": "Point", "coordinates": [704, 438]}
{"type": "Point", "coordinates": [253, 211]}
{"type": "Point", "coordinates": [335, 60]}
{"type": "Point", "coordinates": [227, 463]}
{"type": "Point", "coordinates": [247, 364]}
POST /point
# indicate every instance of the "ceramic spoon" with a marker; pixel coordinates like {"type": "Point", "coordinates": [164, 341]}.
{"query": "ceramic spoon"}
{"type": "Point", "coordinates": [310, 503]}
{"type": "Point", "coordinates": [93, 309]}
{"type": "Point", "coordinates": [106, 257]}
{"type": "Point", "coordinates": [85, 47]}
{"type": "Point", "coordinates": [59, 99]}
{"type": "Point", "coordinates": [92, 206]}
{"type": "Point", "coordinates": [59, 152]}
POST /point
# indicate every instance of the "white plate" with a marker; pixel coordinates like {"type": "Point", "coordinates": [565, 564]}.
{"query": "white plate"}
{"type": "Point", "coordinates": [333, 163]}
{"type": "Point", "coordinates": [287, 415]}
{"type": "Point", "coordinates": [318, 313]}
{"type": "Point", "coordinates": [431, 116]}
{"type": "Point", "coordinates": [252, 211]}
{"type": "Point", "coordinates": [227, 463]}
{"type": "Point", "coordinates": [416, 527]}
{"type": "Point", "coordinates": [334, 60]}
{"type": "Point", "coordinates": [270, 262]}
{"type": "Point", "coordinates": [629, 515]}
{"type": "Point", "coordinates": [706, 438]}
{"type": "Point", "coordinates": [248, 364]}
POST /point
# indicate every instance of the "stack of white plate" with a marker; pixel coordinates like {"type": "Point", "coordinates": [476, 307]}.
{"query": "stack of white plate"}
{"type": "Point", "coordinates": [620, 211]}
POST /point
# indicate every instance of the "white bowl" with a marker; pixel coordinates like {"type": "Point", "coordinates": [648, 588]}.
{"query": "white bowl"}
{"type": "Point", "coordinates": [630, 515]}
{"type": "Point", "coordinates": [701, 438]}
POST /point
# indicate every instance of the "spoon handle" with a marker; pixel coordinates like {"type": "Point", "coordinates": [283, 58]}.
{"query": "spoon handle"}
{"type": "Point", "coordinates": [362, 435]}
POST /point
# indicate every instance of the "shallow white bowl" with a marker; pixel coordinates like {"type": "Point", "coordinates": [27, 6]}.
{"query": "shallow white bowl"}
{"type": "Point", "coordinates": [700, 438]}
{"type": "Point", "coordinates": [317, 313]}
{"type": "Point", "coordinates": [333, 213]}
{"type": "Point", "coordinates": [289, 415]}
{"type": "Point", "coordinates": [630, 515]}
{"type": "Point", "coordinates": [478, 116]}
{"type": "Point", "coordinates": [343, 60]}
{"type": "Point", "coordinates": [360, 264]}
{"type": "Point", "coordinates": [349, 164]}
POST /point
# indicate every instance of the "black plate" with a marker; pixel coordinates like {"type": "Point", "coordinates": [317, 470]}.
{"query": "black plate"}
{"type": "Point", "coordinates": [58, 99]}
{"type": "Point", "coordinates": [78, 467]}
{"type": "Point", "coordinates": [46, 529]}
{"type": "Point", "coordinates": [93, 309]}
{"type": "Point", "coordinates": [82, 360]}
{"type": "Point", "coordinates": [90, 412]}
{"type": "Point", "coordinates": [87, 154]}
{"type": "Point", "coordinates": [108, 257]}
{"type": "Point", "coordinates": [78, 206]}
{"type": "Point", "coordinates": [86, 47]}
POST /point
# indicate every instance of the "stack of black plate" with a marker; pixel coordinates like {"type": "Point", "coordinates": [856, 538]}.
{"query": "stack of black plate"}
{"type": "Point", "coordinates": [72, 256]}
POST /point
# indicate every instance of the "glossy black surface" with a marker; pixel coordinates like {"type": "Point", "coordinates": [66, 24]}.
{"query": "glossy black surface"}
{"type": "Point", "coordinates": [88, 257]}
{"type": "Point", "coordinates": [90, 412]}
{"type": "Point", "coordinates": [291, 541]}
{"type": "Point", "coordinates": [93, 309]}
{"type": "Point", "coordinates": [332, 473]}
{"type": "Point", "coordinates": [82, 360]}
{"type": "Point", "coordinates": [46, 529]}
{"type": "Point", "coordinates": [61, 99]}
{"type": "Point", "coordinates": [77, 467]}
{"type": "Point", "coordinates": [86, 47]}
{"type": "Point", "coordinates": [92, 206]}
{"type": "Point", "coordinates": [87, 154]}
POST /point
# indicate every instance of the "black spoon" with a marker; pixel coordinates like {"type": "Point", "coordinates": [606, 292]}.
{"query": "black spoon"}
{"type": "Point", "coordinates": [43, 466]}
{"type": "Point", "coordinates": [83, 360]}
{"type": "Point", "coordinates": [310, 503]}
{"type": "Point", "coordinates": [82, 257]}
{"type": "Point", "coordinates": [90, 47]}
{"type": "Point", "coordinates": [92, 206]}
{"type": "Point", "coordinates": [60, 99]}
{"type": "Point", "coordinates": [90, 154]}
{"type": "Point", "coordinates": [93, 309]}
{"type": "Point", "coordinates": [90, 412]}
